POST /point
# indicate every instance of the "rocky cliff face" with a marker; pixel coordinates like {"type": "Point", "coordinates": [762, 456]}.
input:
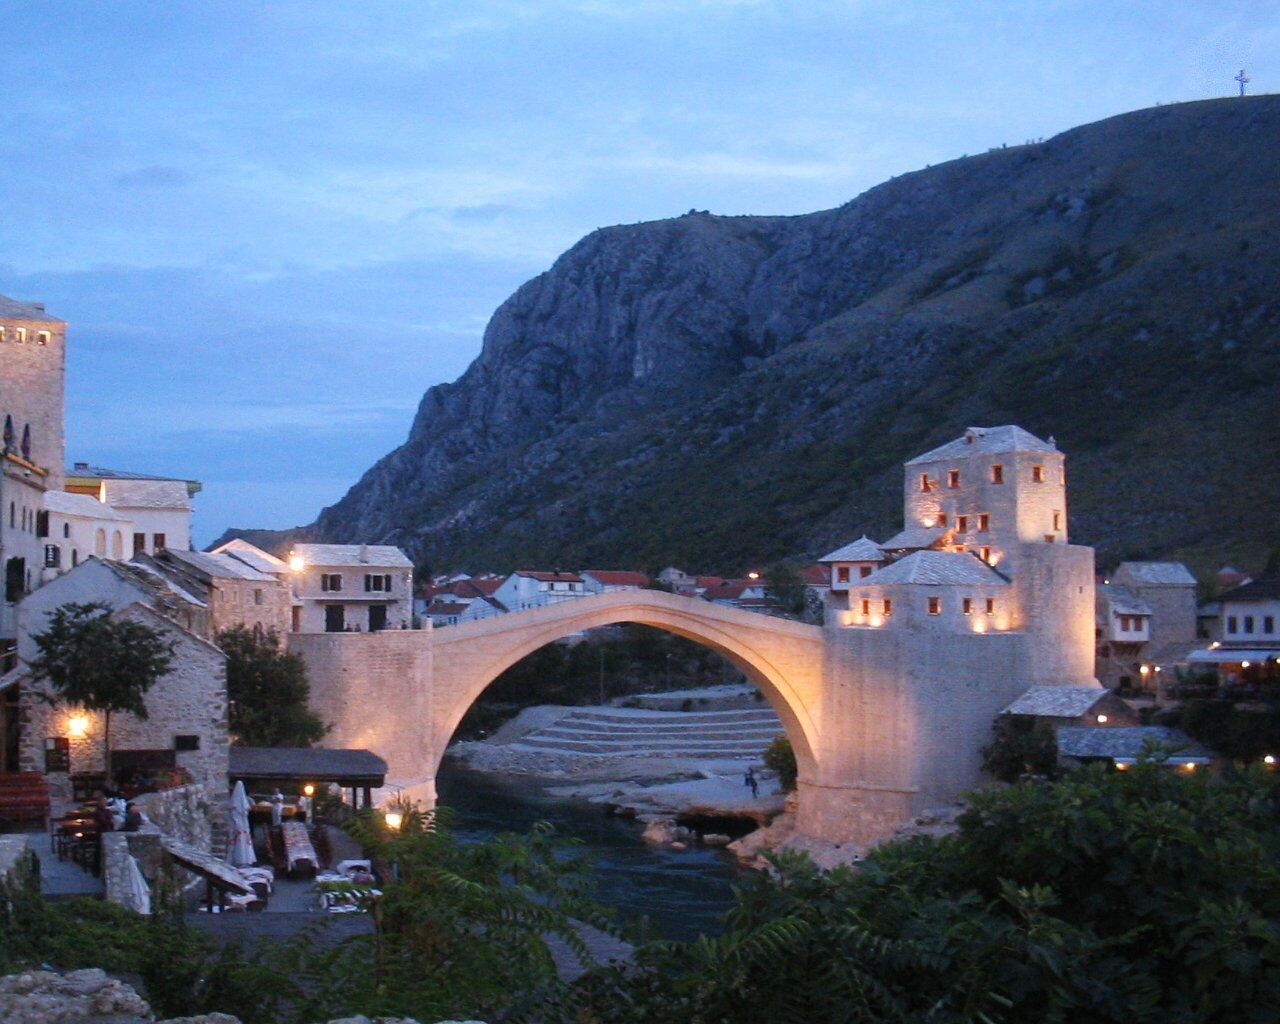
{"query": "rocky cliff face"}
{"type": "Point", "coordinates": [721, 391]}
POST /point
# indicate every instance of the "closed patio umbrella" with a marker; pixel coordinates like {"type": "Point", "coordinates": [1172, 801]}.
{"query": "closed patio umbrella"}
{"type": "Point", "coordinates": [138, 888]}
{"type": "Point", "coordinates": [240, 851]}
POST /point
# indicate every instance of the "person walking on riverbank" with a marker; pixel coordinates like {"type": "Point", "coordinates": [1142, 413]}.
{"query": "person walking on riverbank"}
{"type": "Point", "coordinates": [749, 780]}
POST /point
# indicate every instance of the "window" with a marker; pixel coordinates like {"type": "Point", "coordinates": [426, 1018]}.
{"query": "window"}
{"type": "Point", "coordinates": [1268, 624]}
{"type": "Point", "coordinates": [117, 544]}
{"type": "Point", "coordinates": [997, 474]}
{"type": "Point", "coordinates": [257, 595]}
{"type": "Point", "coordinates": [984, 522]}
{"type": "Point", "coordinates": [991, 606]}
{"type": "Point", "coordinates": [376, 583]}
{"type": "Point", "coordinates": [866, 606]}
{"type": "Point", "coordinates": [1057, 520]}
{"type": "Point", "coordinates": [13, 515]}
{"type": "Point", "coordinates": [139, 544]}
{"type": "Point", "coordinates": [967, 606]}
{"type": "Point", "coordinates": [42, 338]}
{"type": "Point", "coordinates": [842, 574]}
{"type": "Point", "coordinates": [953, 478]}
{"type": "Point", "coordinates": [52, 556]}
{"type": "Point", "coordinates": [335, 618]}
{"type": "Point", "coordinates": [157, 542]}
{"type": "Point", "coordinates": [330, 581]}
{"type": "Point", "coordinates": [2, 337]}
{"type": "Point", "coordinates": [1124, 623]}
{"type": "Point", "coordinates": [1248, 623]}
{"type": "Point", "coordinates": [985, 554]}
{"type": "Point", "coordinates": [1037, 474]}
{"type": "Point", "coordinates": [924, 482]}
{"type": "Point", "coordinates": [864, 571]}
{"type": "Point", "coordinates": [962, 524]}
{"type": "Point", "coordinates": [75, 557]}
{"type": "Point", "coordinates": [935, 606]}
{"type": "Point", "coordinates": [100, 543]}
{"type": "Point", "coordinates": [186, 743]}
{"type": "Point", "coordinates": [942, 519]}
{"type": "Point", "coordinates": [66, 530]}
{"type": "Point", "coordinates": [20, 334]}
{"type": "Point", "coordinates": [42, 524]}
{"type": "Point", "coordinates": [1233, 625]}
{"type": "Point", "coordinates": [888, 606]}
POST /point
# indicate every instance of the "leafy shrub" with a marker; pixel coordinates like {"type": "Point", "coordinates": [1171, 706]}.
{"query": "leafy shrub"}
{"type": "Point", "coordinates": [780, 758]}
{"type": "Point", "coordinates": [1020, 746]}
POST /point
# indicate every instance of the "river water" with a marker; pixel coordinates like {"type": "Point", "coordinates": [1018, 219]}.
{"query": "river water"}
{"type": "Point", "coordinates": [681, 894]}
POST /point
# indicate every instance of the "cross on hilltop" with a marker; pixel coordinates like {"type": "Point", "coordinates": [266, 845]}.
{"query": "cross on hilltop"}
{"type": "Point", "coordinates": [1243, 79]}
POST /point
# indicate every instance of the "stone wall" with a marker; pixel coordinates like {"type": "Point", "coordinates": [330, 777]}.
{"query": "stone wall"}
{"type": "Point", "coordinates": [15, 855]}
{"type": "Point", "coordinates": [117, 859]}
{"type": "Point", "coordinates": [31, 389]}
{"type": "Point", "coordinates": [189, 700]}
{"type": "Point", "coordinates": [185, 813]}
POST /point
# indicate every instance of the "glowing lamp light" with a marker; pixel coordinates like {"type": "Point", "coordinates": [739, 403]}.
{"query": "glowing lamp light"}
{"type": "Point", "coordinates": [753, 575]}
{"type": "Point", "coordinates": [1121, 766]}
{"type": "Point", "coordinates": [78, 726]}
{"type": "Point", "coordinates": [979, 625]}
{"type": "Point", "coordinates": [297, 563]}
{"type": "Point", "coordinates": [1216, 644]}
{"type": "Point", "coordinates": [1270, 759]}
{"type": "Point", "coordinates": [309, 790]}
{"type": "Point", "coordinates": [1145, 669]}
{"type": "Point", "coordinates": [394, 820]}
{"type": "Point", "coordinates": [876, 620]}
{"type": "Point", "coordinates": [1244, 664]}
{"type": "Point", "coordinates": [1190, 766]}
{"type": "Point", "coordinates": [1102, 719]}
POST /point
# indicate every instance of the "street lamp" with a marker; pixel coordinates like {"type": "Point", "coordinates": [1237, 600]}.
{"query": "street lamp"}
{"type": "Point", "coordinates": [394, 820]}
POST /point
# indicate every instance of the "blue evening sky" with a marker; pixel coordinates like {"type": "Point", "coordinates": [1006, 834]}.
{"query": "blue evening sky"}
{"type": "Point", "coordinates": [273, 225]}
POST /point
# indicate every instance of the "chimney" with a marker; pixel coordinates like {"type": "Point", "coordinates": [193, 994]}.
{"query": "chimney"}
{"type": "Point", "coordinates": [82, 466]}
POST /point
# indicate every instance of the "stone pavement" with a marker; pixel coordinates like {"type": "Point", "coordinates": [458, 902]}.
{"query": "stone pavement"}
{"type": "Point", "coordinates": [61, 877]}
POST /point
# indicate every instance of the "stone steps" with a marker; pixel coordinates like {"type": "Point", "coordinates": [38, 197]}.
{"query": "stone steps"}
{"type": "Point", "coordinates": [675, 732]}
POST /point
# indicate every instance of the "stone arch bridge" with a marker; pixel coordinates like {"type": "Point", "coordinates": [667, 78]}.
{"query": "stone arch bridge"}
{"type": "Point", "coordinates": [855, 718]}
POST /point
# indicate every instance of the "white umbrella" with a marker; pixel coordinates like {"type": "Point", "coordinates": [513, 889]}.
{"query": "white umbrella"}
{"type": "Point", "coordinates": [240, 852]}
{"type": "Point", "coordinates": [138, 888]}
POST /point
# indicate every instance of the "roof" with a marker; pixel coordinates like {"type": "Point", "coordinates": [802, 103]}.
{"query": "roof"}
{"type": "Point", "coordinates": [986, 441]}
{"type": "Point", "coordinates": [476, 586]}
{"type": "Point", "coordinates": [708, 581]}
{"type": "Point", "coordinates": [12, 309]}
{"type": "Point", "coordinates": [87, 471]}
{"type": "Point", "coordinates": [1122, 600]}
{"type": "Point", "coordinates": [1266, 589]}
{"type": "Point", "coordinates": [1126, 742]}
{"type": "Point", "coordinates": [218, 566]}
{"type": "Point", "coordinates": [67, 504]}
{"type": "Point", "coordinates": [914, 537]}
{"type": "Point", "coordinates": [384, 555]}
{"type": "Point", "coordinates": [446, 608]}
{"type": "Point", "coordinates": [617, 577]}
{"type": "Point", "coordinates": [864, 549]}
{"type": "Point", "coordinates": [816, 575]}
{"type": "Point", "coordinates": [1162, 574]}
{"type": "Point", "coordinates": [252, 556]}
{"type": "Point", "coordinates": [157, 494]}
{"type": "Point", "coordinates": [1232, 655]}
{"type": "Point", "coordinates": [730, 590]}
{"type": "Point", "coordinates": [549, 577]}
{"type": "Point", "coordinates": [307, 764]}
{"type": "Point", "coordinates": [150, 580]}
{"type": "Point", "coordinates": [937, 568]}
{"type": "Point", "coordinates": [1057, 701]}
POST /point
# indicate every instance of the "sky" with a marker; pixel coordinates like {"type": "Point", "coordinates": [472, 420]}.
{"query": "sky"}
{"type": "Point", "coordinates": [271, 226]}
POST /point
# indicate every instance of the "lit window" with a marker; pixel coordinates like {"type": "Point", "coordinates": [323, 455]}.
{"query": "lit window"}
{"type": "Point", "coordinates": [942, 519]}
{"type": "Point", "coordinates": [935, 606]}
{"type": "Point", "coordinates": [997, 474]}
{"type": "Point", "coordinates": [42, 338]}
{"type": "Point", "coordinates": [984, 522]}
{"type": "Point", "coordinates": [2, 335]}
{"type": "Point", "coordinates": [962, 524]}
{"type": "Point", "coordinates": [1057, 520]}
{"type": "Point", "coordinates": [967, 606]}
{"type": "Point", "coordinates": [866, 606]}
{"type": "Point", "coordinates": [842, 574]}
{"type": "Point", "coordinates": [991, 606]}
{"type": "Point", "coordinates": [985, 554]}
{"type": "Point", "coordinates": [1037, 474]}
{"type": "Point", "coordinates": [864, 571]}
{"type": "Point", "coordinates": [20, 334]}
{"type": "Point", "coordinates": [888, 606]}
{"type": "Point", "coordinates": [953, 478]}
{"type": "Point", "coordinates": [924, 481]}
{"type": "Point", "coordinates": [157, 542]}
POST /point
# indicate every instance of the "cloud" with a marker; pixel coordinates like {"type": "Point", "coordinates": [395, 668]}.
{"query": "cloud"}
{"type": "Point", "coordinates": [156, 176]}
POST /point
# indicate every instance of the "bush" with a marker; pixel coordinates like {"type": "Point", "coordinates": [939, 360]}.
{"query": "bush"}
{"type": "Point", "coordinates": [1020, 746]}
{"type": "Point", "coordinates": [780, 758]}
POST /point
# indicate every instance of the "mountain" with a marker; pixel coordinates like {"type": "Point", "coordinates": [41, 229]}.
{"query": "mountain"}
{"type": "Point", "coordinates": [719, 392]}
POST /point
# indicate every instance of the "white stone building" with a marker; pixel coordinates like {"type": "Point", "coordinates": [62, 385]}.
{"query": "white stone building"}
{"type": "Point", "coordinates": [341, 588]}
{"type": "Point", "coordinates": [525, 589]}
{"type": "Point", "coordinates": [852, 562]}
{"type": "Point", "coordinates": [1123, 629]}
{"type": "Point", "coordinates": [77, 526]}
{"type": "Point", "coordinates": [606, 581]}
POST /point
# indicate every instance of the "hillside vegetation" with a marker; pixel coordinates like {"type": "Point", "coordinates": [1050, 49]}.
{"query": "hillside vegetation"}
{"type": "Point", "coordinates": [719, 392]}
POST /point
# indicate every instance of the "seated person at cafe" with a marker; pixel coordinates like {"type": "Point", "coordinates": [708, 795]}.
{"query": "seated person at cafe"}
{"type": "Point", "coordinates": [133, 819]}
{"type": "Point", "coordinates": [103, 819]}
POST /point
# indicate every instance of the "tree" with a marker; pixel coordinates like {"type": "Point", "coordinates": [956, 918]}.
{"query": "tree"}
{"type": "Point", "coordinates": [102, 663]}
{"type": "Point", "coordinates": [1020, 746]}
{"type": "Point", "coordinates": [784, 587]}
{"type": "Point", "coordinates": [780, 758]}
{"type": "Point", "coordinates": [268, 690]}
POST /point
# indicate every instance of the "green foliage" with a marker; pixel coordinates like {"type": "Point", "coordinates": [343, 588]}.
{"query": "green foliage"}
{"type": "Point", "coordinates": [1020, 746]}
{"type": "Point", "coordinates": [101, 663]}
{"type": "Point", "coordinates": [779, 757]}
{"type": "Point", "coordinates": [1243, 733]}
{"type": "Point", "coordinates": [1142, 896]}
{"type": "Point", "coordinates": [784, 587]}
{"type": "Point", "coordinates": [267, 689]}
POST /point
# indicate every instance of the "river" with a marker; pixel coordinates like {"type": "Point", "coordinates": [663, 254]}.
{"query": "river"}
{"type": "Point", "coordinates": [682, 894]}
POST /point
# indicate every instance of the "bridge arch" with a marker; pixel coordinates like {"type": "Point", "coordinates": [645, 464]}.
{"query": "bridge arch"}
{"type": "Point", "coordinates": [783, 658]}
